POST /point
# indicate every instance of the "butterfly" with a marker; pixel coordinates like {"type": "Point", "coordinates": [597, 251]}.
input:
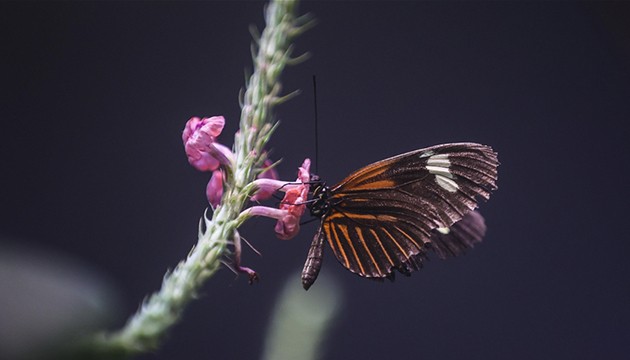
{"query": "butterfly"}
{"type": "Point", "coordinates": [384, 217]}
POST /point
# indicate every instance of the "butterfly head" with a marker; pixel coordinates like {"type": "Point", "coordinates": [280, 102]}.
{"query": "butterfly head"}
{"type": "Point", "coordinates": [319, 204]}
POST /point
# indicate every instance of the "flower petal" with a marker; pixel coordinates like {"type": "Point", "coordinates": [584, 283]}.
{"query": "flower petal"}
{"type": "Point", "coordinates": [199, 137]}
{"type": "Point", "coordinates": [294, 203]}
{"type": "Point", "coordinates": [189, 128]}
{"type": "Point", "coordinates": [304, 174]}
{"type": "Point", "coordinates": [214, 190]}
{"type": "Point", "coordinates": [213, 125]}
{"type": "Point", "coordinates": [287, 227]}
{"type": "Point", "coordinates": [202, 161]}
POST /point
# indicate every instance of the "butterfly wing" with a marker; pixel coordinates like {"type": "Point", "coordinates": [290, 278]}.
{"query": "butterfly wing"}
{"type": "Point", "coordinates": [384, 215]}
{"type": "Point", "coordinates": [446, 242]}
{"type": "Point", "coordinates": [461, 236]}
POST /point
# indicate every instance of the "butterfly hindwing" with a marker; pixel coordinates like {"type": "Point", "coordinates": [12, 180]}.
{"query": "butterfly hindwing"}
{"type": "Point", "coordinates": [372, 247]}
{"type": "Point", "coordinates": [461, 236]}
{"type": "Point", "coordinates": [383, 216]}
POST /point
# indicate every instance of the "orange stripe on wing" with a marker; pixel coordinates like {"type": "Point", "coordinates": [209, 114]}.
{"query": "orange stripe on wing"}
{"type": "Point", "coordinates": [364, 173]}
{"type": "Point", "coordinates": [344, 230]}
{"type": "Point", "coordinates": [353, 216]}
{"type": "Point", "coordinates": [378, 269]}
{"type": "Point", "coordinates": [378, 240]}
{"type": "Point", "coordinates": [375, 185]}
{"type": "Point", "coordinates": [408, 237]}
{"type": "Point", "coordinates": [397, 244]}
{"type": "Point", "coordinates": [326, 227]}
{"type": "Point", "coordinates": [341, 250]}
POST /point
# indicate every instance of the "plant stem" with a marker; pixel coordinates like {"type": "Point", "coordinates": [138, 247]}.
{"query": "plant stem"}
{"type": "Point", "coordinates": [145, 330]}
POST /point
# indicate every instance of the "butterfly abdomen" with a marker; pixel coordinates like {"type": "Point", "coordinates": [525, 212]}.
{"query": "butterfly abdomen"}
{"type": "Point", "coordinates": [313, 260]}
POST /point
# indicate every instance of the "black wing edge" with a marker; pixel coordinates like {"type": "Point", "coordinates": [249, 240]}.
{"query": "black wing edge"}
{"type": "Point", "coordinates": [414, 263]}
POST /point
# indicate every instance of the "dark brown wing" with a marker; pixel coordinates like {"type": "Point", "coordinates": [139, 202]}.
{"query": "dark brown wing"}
{"type": "Point", "coordinates": [384, 214]}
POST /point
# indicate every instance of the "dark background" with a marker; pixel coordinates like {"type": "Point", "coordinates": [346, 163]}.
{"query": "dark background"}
{"type": "Point", "coordinates": [95, 95]}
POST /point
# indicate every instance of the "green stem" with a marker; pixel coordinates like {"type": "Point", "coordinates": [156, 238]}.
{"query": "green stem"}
{"type": "Point", "coordinates": [145, 330]}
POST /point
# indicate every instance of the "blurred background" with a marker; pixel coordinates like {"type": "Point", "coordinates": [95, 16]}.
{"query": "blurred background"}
{"type": "Point", "coordinates": [95, 96]}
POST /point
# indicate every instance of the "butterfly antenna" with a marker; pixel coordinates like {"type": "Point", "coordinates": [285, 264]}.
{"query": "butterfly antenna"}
{"type": "Point", "coordinates": [316, 125]}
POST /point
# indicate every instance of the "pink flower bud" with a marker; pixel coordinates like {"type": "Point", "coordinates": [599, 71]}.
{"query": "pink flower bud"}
{"type": "Point", "coordinates": [214, 190]}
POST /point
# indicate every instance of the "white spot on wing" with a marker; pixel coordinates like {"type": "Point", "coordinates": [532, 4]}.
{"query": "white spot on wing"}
{"type": "Point", "coordinates": [446, 183]}
{"type": "Point", "coordinates": [439, 170]}
{"type": "Point", "coordinates": [438, 165]}
{"type": "Point", "coordinates": [444, 230]}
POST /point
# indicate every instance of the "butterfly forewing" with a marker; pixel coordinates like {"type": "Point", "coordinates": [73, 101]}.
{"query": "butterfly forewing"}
{"type": "Point", "coordinates": [383, 216]}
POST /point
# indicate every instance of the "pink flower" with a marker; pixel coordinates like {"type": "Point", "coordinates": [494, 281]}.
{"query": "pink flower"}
{"type": "Point", "coordinates": [294, 203]}
{"type": "Point", "coordinates": [214, 190]}
{"type": "Point", "coordinates": [205, 153]}
{"type": "Point", "coordinates": [199, 139]}
{"type": "Point", "coordinates": [292, 206]}
{"type": "Point", "coordinates": [296, 196]}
